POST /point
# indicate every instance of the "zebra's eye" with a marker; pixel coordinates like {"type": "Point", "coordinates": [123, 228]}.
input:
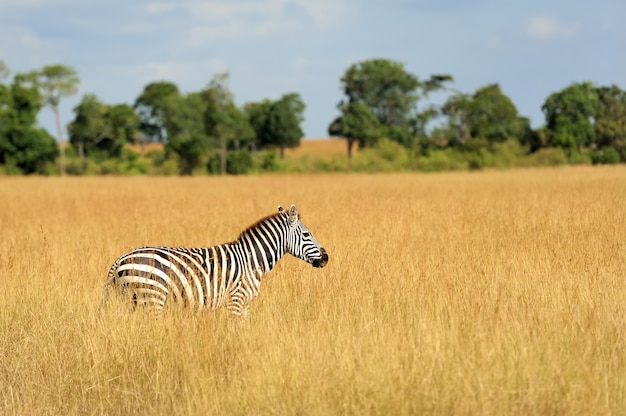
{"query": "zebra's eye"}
{"type": "Point", "coordinates": [305, 234]}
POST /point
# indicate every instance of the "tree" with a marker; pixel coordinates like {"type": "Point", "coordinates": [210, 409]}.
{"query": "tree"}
{"type": "Point", "coordinates": [569, 116]}
{"type": "Point", "coordinates": [392, 95]}
{"type": "Point", "coordinates": [89, 127]}
{"type": "Point", "coordinates": [457, 108]}
{"type": "Point", "coordinates": [4, 71]}
{"type": "Point", "coordinates": [152, 107]}
{"type": "Point", "coordinates": [23, 147]}
{"type": "Point", "coordinates": [185, 128]}
{"type": "Point", "coordinates": [55, 82]}
{"type": "Point", "coordinates": [494, 117]}
{"type": "Point", "coordinates": [277, 123]}
{"type": "Point", "coordinates": [488, 115]}
{"type": "Point", "coordinates": [98, 127]}
{"type": "Point", "coordinates": [610, 122]}
{"type": "Point", "coordinates": [357, 124]}
{"type": "Point", "coordinates": [257, 113]}
{"type": "Point", "coordinates": [283, 122]}
{"type": "Point", "coordinates": [124, 123]}
{"type": "Point", "coordinates": [384, 86]}
{"type": "Point", "coordinates": [222, 119]}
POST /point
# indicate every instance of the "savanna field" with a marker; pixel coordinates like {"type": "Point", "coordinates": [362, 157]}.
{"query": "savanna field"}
{"type": "Point", "coordinates": [498, 292]}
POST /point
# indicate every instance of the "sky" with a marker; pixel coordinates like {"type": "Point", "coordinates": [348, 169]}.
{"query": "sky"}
{"type": "Point", "coordinates": [531, 48]}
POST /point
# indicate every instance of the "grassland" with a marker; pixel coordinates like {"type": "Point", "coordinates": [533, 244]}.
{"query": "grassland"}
{"type": "Point", "coordinates": [463, 293]}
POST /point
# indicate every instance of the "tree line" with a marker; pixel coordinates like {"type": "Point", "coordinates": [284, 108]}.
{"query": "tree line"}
{"type": "Point", "coordinates": [384, 111]}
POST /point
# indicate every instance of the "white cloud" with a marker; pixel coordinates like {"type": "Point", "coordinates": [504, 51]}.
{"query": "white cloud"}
{"type": "Point", "coordinates": [27, 4]}
{"type": "Point", "coordinates": [27, 49]}
{"type": "Point", "coordinates": [159, 7]}
{"type": "Point", "coordinates": [323, 12]}
{"type": "Point", "coordinates": [545, 27]}
{"type": "Point", "coordinates": [188, 74]}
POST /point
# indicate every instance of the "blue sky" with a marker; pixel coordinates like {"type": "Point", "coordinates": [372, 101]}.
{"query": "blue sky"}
{"type": "Point", "coordinates": [271, 47]}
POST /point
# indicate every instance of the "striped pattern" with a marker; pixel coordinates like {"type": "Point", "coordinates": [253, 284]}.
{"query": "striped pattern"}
{"type": "Point", "coordinates": [211, 277]}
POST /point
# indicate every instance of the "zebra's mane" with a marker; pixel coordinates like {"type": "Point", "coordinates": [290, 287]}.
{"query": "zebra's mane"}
{"type": "Point", "coordinates": [264, 219]}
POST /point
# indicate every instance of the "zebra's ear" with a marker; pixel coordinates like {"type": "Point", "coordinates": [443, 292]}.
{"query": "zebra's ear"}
{"type": "Point", "coordinates": [293, 215]}
{"type": "Point", "coordinates": [280, 209]}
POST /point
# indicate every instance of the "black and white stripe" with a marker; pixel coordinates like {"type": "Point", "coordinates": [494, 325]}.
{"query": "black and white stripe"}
{"type": "Point", "coordinates": [211, 277]}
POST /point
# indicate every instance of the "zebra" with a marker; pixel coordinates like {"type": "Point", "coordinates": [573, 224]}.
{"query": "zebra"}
{"type": "Point", "coordinates": [211, 277]}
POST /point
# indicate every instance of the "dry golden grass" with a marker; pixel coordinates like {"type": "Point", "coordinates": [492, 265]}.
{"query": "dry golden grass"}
{"type": "Point", "coordinates": [320, 148]}
{"type": "Point", "coordinates": [465, 293]}
{"type": "Point", "coordinates": [324, 147]}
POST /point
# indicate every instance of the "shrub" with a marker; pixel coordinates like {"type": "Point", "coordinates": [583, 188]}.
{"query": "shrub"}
{"type": "Point", "coordinates": [239, 162]}
{"type": "Point", "coordinates": [607, 155]}
{"type": "Point", "coordinates": [550, 156]}
{"type": "Point", "coordinates": [441, 160]}
{"type": "Point", "coordinates": [386, 156]}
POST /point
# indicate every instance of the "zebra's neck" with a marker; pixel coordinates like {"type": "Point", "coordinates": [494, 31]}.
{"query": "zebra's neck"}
{"type": "Point", "coordinates": [263, 244]}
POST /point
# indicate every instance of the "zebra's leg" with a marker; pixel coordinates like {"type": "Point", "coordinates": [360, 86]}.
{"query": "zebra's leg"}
{"type": "Point", "coordinates": [238, 303]}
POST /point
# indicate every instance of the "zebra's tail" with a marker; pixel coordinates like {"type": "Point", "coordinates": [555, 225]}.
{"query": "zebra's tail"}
{"type": "Point", "coordinates": [110, 282]}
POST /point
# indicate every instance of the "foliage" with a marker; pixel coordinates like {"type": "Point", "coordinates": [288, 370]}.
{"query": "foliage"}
{"type": "Point", "coordinates": [24, 148]}
{"type": "Point", "coordinates": [610, 121]}
{"type": "Point", "coordinates": [386, 156]}
{"type": "Point", "coordinates": [488, 115]}
{"type": "Point", "coordinates": [391, 93]}
{"type": "Point", "coordinates": [55, 82]}
{"type": "Point", "coordinates": [100, 129]}
{"type": "Point", "coordinates": [186, 134]}
{"type": "Point", "coordinates": [357, 124]}
{"type": "Point", "coordinates": [384, 86]}
{"type": "Point", "coordinates": [569, 116]}
{"type": "Point", "coordinates": [223, 120]}
{"type": "Point", "coordinates": [277, 123]}
{"type": "Point", "coordinates": [205, 131]}
{"type": "Point", "coordinates": [548, 156]}
{"type": "Point", "coordinates": [153, 108]}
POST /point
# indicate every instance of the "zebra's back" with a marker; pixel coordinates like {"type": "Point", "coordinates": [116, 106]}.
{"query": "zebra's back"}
{"type": "Point", "coordinates": [194, 277]}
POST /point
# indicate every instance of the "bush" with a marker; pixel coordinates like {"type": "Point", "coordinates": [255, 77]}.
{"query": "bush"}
{"type": "Point", "coordinates": [608, 156]}
{"type": "Point", "coordinates": [551, 156]}
{"type": "Point", "coordinates": [386, 156]}
{"type": "Point", "coordinates": [441, 160]}
{"type": "Point", "coordinates": [239, 162]}
{"type": "Point", "coordinates": [577, 158]}
{"type": "Point", "coordinates": [508, 154]}
{"type": "Point", "coordinates": [269, 161]}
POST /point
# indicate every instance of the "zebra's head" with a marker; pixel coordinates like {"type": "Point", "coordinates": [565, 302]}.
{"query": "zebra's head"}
{"type": "Point", "coordinates": [300, 241]}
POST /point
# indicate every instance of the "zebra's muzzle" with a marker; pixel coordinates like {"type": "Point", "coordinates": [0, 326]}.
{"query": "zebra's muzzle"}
{"type": "Point", "coordinates": [322, 261]}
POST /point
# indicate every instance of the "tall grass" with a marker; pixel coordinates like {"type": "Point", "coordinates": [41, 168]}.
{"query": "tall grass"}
{"type": "Point", "coordinates": [482, 293]}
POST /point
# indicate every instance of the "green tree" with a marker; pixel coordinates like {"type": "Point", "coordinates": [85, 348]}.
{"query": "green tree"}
{"type": "Point", "coordinates": [257, 113]}
{"type": "Point", "coordinates": [457, 109]}
{"type": "Point", "coordinates": [610, 122]}
{"type": "Point", "coordinates": [223, 119]}
{"type": "Point", "coordinates": [357, 124]}
{"type": "Point", "coordinates": [569, 116]}
{"type": "Point", "coordinates": [488, 116]}
{"type": "Point", "coordinates": [152, 107]}
{"type": "Point", "coordinates": [102, 128]}
{"type": "Point", "coordinates": [184, 123]}
{"type": "Point", "coordinates": [494, 117]}
{"type": "Point", "coordinates": [384, 86]}
{"type": "Point", "coordinates": [392, 95]}
{"type": "Point", "coordinates": [277, 123]}
{"type": "Point", "coordinates": [4, 71]}
{"type": "Point", "coordinates": [283, 122]}
{"type": "Point", "coordinates": [89, 126]}
{"type": "Point", "coordinates": [23, 147]}
{"type": "Point", "coordinates": [54, 83]}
